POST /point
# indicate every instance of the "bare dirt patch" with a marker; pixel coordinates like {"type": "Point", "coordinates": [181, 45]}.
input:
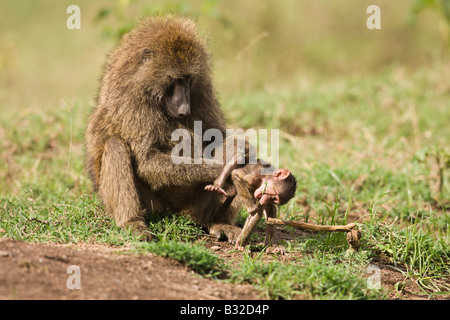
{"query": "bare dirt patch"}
{"type": "Point", "coordinates": [39, 271]}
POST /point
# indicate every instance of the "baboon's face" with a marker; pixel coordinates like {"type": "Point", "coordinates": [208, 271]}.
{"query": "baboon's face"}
{"type": "Point", "coordinates": [168, 79]}
{"type": "Point", "coordinates": [176, 92]}
{"type": "Point", "coordinates": [174, 69]}
{"type": "Point", "coordinates": [177, 98]}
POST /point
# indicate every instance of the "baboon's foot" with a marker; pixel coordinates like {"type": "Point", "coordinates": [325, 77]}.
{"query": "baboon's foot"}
{"type": "Point", "coordinates": [231, 232]}
{"type": "Point", "coordinates": [141, 231]}
{"type": "Point", "coordinates": [276, 249]}
{"type": "Point", "coordinates": [239, 248]}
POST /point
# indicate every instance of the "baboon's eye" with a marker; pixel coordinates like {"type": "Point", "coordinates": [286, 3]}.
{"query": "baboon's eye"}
{"type": "Point", "coordinates": [146, 53]}
{"type": "Point", "coordinates": [170, 89]}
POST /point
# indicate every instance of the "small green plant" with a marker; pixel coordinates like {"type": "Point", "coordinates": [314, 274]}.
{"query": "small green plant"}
{"type": "Point", "coordinates": [441, 6]}
{"type": "Point", "coordinates": [119, 17]}
{"type": "Point", "coordinates": [168, 226]}
{"type": "Point", "coordinates": [440, 158]}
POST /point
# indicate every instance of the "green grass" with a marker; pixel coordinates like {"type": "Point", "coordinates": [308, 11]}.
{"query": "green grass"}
{"type": "Point", "coordinates": [36, 218]}
{"type": "Point", "coordinates": [363, 120]}
{"type": "Point", "coordinates": [420, 257]}
{"type": "Point", "coordinates": [195, 256]}
{"type": "Point", "coordinates": [312, 277]}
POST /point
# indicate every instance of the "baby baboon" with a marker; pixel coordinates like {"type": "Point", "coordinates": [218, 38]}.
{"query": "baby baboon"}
{"type": "Point", "coordinates": [257, 192]}
{"type": "Point", "coordinates": [155, 81]}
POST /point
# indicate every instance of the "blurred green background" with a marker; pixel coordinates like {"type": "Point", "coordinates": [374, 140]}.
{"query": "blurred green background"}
{"type": "Point", "coordinates": [255, 44]}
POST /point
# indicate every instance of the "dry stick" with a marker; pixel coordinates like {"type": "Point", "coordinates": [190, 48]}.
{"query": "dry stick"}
{"type": "Point", "coordinates": [313, 227]}
{"type": "Point", "coordinates": [353, 235]}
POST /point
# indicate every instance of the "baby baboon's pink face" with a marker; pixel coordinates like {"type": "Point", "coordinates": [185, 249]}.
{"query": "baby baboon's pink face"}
{"type": "Point", "coordinates": [271, 188]}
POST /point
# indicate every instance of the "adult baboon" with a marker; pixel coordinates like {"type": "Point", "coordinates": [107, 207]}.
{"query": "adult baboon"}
{"type": "Point", "coordinates": [155, 81]}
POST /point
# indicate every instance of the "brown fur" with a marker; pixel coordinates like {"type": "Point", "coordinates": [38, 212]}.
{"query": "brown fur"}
{"type": "Point", "coordinates": [247, 180]}
{"type": "Point", "coordinates": [243, 180]}
{"type": "Point", "coordinates": [128, 138]}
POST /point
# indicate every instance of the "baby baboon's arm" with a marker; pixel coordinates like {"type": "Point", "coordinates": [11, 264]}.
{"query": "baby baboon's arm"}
{"type": "Point", "coordinates": [220, 182]}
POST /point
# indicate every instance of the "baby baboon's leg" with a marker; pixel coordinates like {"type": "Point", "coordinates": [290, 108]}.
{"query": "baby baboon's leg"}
{"type": "Point", "coordinates": [118, 188]}
{"type": "Point", "coordinates": [271, 212]}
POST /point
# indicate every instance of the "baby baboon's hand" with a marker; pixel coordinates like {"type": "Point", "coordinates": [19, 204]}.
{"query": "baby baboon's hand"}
{"type": "Point", "coordinates": [215, 187]}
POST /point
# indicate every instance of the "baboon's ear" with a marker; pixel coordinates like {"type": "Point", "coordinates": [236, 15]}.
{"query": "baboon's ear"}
{"type": "Point", "coordinates": [146, 54]}
{"type": "Point", "coordinates": [281, 174]}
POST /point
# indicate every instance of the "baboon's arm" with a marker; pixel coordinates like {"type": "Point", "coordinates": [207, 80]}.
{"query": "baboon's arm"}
{"type": "Point", "coordinates": [160, 170]}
